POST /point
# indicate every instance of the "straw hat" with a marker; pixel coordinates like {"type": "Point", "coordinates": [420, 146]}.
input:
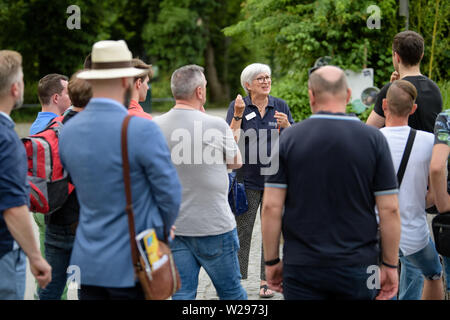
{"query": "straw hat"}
{"type": "Point", "coordinates": [111, 60]}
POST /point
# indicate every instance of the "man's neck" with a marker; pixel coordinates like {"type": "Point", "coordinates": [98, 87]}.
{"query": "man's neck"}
{"type": "Point", "coordinates": [51, 108]}
{"type": "Point", "coordinates": [331, 108]}
{"type": "Point", "coordinates": [409, 71]}
{"type": "Point", "coordinates": [135, 95]}
{"type": "Point", "coordinates": [392, 121]}
{"type": "Point", "coordinates": [116, 97]}
{"type": "Point", "coordinates": [6, 106]}
{"type": "Point", "coordinates": [186, 104]}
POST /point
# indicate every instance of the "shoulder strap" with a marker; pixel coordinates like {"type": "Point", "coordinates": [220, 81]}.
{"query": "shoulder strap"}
{"type": "Point", "coordinates": [405, 158]}
{"type": "Point", "coordinates": [126, 179]}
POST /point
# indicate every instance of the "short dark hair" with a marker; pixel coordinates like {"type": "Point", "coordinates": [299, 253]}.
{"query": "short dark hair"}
{"type": "Point", "coordinates": [139, 64]}
{"type": "Point", "coordinates": [49, 85]}
{"type": "Point", "coordinates": [400, 97]}
{"type": "Point", "coordinates": [80, 91]}
{"type": "Point", "coordinates": [409, 45]}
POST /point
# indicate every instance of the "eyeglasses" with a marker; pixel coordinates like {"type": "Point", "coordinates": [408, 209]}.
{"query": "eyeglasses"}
{"type": "Point", "coordinates": [264, 79]}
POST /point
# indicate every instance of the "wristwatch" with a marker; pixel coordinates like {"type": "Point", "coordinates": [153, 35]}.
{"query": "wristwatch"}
{"type": "Point", "coordinates": [272, 262]}
{"type": "Point", "coordinates": [237, 118]}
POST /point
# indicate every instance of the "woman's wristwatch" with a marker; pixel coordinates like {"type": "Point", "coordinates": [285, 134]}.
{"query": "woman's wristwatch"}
{"type": "Point", "coordinates": [237, 118]}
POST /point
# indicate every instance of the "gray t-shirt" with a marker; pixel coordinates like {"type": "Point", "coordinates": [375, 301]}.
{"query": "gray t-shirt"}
{"type": "Point", "coordinates": [200, 145]}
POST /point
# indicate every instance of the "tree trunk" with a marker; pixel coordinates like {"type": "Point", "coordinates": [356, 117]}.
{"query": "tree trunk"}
{"type": "Point", "coordinates": [215, 87]}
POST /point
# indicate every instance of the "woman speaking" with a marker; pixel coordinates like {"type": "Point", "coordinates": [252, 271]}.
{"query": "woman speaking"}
{"type": "Point", "coordinates": [258, 118]}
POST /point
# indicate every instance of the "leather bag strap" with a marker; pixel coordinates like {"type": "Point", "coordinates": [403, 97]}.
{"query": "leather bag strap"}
{"type": "Point", "coordinates": [127, 181]}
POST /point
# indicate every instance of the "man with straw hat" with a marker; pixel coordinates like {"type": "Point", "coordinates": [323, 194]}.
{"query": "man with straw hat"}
{"type": "Point", "coordinates": [90, 150]}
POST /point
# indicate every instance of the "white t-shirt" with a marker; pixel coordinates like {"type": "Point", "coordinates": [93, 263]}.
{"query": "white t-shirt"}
{"type": "Point", "coordinates": [413, 190]}
{"type": "Point", "coordinates": [200, 144]}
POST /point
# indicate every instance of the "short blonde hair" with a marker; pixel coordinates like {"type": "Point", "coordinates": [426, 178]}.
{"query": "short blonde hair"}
{"type": "Point", "coordinates": [10, 69]}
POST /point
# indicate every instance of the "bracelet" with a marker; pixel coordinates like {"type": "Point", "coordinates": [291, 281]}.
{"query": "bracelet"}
{"type": "Point", "coordinates": [389, 265]}
{"type": "Point", "coordinates": [272, 262]}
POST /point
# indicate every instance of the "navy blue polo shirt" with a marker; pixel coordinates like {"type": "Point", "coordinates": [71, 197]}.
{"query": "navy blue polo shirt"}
{"type": "Point", "coordinates": [333, 166]}
{"type": "Point", "coordinates": [259, 135]}
{"type": "Point", "coordinates": [14, 188]}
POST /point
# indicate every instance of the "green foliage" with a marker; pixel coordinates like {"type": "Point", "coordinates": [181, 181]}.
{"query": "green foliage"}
{"type": "Point", "coordinates": [295, 33]}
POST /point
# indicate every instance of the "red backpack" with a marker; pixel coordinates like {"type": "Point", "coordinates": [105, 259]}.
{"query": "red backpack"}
{"type": "Point", "coordinates": [49, 181]}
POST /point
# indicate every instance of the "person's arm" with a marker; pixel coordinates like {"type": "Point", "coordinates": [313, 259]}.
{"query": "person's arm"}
{"type": "Point", "coordinates": [238, 111]}
{"type": "Point", "coordinates": [390, 228]}
{"type": "Point", "coordinates": [237, 161]}
{"type": "Point", "coordinates": [429, 198]}
{"type": "Point", "coordinates": [271, 215]}
{"type": "Point", "coordinates": [438, 176]}
{"type": "Point", "coordinates": [375, 120]}
{"type": "Point", "coordinates": [19, 225]}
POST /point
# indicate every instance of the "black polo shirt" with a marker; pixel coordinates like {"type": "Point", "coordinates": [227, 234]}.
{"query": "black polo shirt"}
{"type": "Point", "coordinates": [429, 103]}
{"type": "Point", "coordinates": [333, 166]}
{"type": "Point", "coordinates": [256, 144]}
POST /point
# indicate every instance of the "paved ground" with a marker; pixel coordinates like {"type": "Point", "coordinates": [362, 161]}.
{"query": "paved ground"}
{"type": "Point", "coordinates": [206, 289]}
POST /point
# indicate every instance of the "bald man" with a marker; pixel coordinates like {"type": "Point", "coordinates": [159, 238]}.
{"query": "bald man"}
{"type": "Point", "coordinates": [333, 170]}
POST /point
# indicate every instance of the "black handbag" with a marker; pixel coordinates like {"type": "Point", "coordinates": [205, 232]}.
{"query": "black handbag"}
{"type": "Point", "coordinates": [441, 232]}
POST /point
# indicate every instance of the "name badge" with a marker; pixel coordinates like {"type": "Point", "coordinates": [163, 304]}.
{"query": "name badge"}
{"type": "Point", "coordinates": [250, 116]}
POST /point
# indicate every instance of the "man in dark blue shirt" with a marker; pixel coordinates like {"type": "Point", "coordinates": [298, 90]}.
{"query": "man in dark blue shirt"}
{"type": "Point", "coordinates": [333, 170]}
{"type": "Point", "coordinates": [15, 222]}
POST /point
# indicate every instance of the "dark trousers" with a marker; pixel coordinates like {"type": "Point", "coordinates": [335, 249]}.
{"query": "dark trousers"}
{"type": "Point", "coordinates": [103, 293]}
{"type": "Point", "coordinates": [327, 283]}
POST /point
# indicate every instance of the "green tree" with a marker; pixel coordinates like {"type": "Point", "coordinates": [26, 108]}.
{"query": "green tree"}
{"type": "Point", "coordinates": [189, 32]}
{"type": "Point", "coordinates": [292, 34]}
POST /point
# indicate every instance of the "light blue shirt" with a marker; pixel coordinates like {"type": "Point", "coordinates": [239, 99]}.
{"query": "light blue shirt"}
{"type": "Point", "coordinates": [41, 122]}
{"type": "Point", "coordinates": [90, 150]}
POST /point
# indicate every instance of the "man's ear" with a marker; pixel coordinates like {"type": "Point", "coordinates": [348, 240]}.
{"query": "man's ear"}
{"type": "Point", "coordinates": [397, 58]}
{"type": "Point", "coordinates": [15, 90]}
{"type": "Point", "coordinates": [384, 105]}
{"type": "Point", "coordinates": [125, 82]}
{"type": "Point", "coordinates": [54, 99]}
{"type": "Point", "coordinates": [138, 83]}
{"type": "Point", "coordinates": [312, 98]}
{"type": "Point", "coordinates": [349, 95]}
{"type": "Point", "coordinates": [414, 108]}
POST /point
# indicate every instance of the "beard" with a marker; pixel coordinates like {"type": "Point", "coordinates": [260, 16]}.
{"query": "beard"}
{"type": "Point", "coordinates": [18, 104]}
{"type": "Point", "coordinates": [127, 97]}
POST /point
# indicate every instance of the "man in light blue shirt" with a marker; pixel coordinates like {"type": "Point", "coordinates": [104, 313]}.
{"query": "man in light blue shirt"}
{"type": "Point", "coordinates": [90, 150]}
{"type": "Point", "coordinates": [54, 98]}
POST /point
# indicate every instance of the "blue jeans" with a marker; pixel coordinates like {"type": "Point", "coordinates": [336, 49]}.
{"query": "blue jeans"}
{"type": "Point", "coordinates": [424, 263]}
{"type": "Point", "coordinates": [218, 256]}
{"type": "Point", "coordinates": [58, 249]}
{"type": "Point", "coordinates": [13, 267]}
{"type": "Point", "coordinates": [327, 283]}
{"type": "Point", "coordinates": [447, 270]}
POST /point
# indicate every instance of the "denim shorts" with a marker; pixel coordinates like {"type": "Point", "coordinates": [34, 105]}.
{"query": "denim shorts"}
{"type": "Point", "coordinates": [427, 260]}
{"type": "Point", "coordinates": [13, 275]}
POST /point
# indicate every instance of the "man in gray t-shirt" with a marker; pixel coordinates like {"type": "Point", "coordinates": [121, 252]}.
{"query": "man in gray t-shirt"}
{"type": "Point", "coordinates": [202, 149]}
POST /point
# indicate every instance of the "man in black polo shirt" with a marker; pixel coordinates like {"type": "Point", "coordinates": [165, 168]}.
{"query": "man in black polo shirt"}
{"type": "Point", "coordinates": [333, 170]}
{"type": "Point", "coordinates": [407, 52]}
